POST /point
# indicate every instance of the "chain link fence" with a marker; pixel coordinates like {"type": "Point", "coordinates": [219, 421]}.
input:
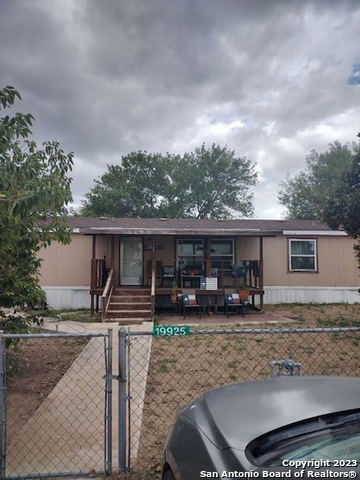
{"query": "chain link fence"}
{"type": "Point", "coordinates": [57, 427]}
{"type": "Point", "coordinates": [72, 430]}
{"type": "Point", "coordinates": [182, 367]}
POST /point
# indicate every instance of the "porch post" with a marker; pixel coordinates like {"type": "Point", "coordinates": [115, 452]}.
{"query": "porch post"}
{"type": "Point", "coordinates": [93, 275]}
{"type": "Point", "coordinates": [120, 265]}
{"type": "Point", "coordinates": [153, 276]}
{"type": "Point", "coordinates": [261, 271]}
{"type": "Point", "coordinates": [112, 253]}
{"type": "Point", "coordinates": [208, 257]}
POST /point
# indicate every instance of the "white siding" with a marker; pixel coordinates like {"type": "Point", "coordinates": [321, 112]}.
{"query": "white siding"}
{"type": "Point", "coordinates": [300, 294]}
{"type": "Point", "coordinates": [67, 297]}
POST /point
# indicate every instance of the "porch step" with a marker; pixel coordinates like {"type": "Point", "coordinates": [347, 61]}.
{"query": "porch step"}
{"type": "Point", "coordinates": [122, 299]}
{"type": "Point", "coordinates": [129, 306]}
{"type": "Point", "coordinates": [131, 291]}
{"type": "Point", "coordinates": [122, 313]}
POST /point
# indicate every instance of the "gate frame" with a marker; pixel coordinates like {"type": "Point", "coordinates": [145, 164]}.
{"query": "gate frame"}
{"type": "Point", "coordinates": [108, 417]}
{"type": "Point", "coordinates": [124, 398]}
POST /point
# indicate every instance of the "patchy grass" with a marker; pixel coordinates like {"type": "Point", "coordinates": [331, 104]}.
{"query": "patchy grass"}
{"type": "Point", "coordinates": [182, 368]}
{"type": "Point", "coordinates": [319, 314]}
{"type": "Point", "coordinates": [81, 315]}
{"type": "Point", "coordinates": [305, 315]}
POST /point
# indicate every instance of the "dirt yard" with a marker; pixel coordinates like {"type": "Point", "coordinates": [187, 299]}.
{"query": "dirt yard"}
{"type": "Point", "coordinates": [182, 368]}
{"type": "Point", "coordinates": [36, 366]}
{"type": "Point", "coordinates": [313, 315]}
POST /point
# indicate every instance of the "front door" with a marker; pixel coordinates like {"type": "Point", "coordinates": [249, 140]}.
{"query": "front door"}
{"type": "Point", "coordinates": [131, 254]}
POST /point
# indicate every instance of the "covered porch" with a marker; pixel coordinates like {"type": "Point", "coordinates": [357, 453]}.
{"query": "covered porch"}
{"type": "Point", "coordinates": [148, 269]}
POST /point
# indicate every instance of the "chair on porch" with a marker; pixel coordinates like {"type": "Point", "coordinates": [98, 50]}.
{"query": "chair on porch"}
{"type": "Point", "coordinates": [168, 273]}
{"type": "Point", "coordinates": [190, 301]}
{"type": "Point", "coordinates": [234, 302]}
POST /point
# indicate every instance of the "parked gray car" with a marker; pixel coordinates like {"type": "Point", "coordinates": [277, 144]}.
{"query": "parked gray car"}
{"type": "Point", "coordinates": [295, 426]}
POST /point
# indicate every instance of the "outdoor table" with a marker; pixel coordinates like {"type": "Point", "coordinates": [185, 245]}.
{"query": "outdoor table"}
{"type": "Point", "coordinates": [208, 299]}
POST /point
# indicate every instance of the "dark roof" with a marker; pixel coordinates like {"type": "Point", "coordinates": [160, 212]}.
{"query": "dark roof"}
{"type": "Point", "coordinates": [191, 226]}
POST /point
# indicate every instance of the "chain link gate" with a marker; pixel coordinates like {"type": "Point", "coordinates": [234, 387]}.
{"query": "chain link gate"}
{"type": "Point", "coordinates": [182, 367]}
{"type": "Point", "coordinates": [71, 432]}
{"type": "Point", "coordinates": [135, 366]}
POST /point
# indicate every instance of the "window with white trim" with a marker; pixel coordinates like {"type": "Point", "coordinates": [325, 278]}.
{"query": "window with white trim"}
{"type": "Point", "coordinates": [302, 255]}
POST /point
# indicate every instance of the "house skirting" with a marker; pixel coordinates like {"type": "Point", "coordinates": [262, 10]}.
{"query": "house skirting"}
{"type": "Point", "coordinates": [297, 294]}
{"type": "Point", "coordinates": [67, 297]}
{"type": "Point", "coordinates": [79, 296]}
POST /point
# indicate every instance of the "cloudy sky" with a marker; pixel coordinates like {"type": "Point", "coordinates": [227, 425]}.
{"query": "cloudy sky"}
{"type": "Point", "coordinates": [271, 79]}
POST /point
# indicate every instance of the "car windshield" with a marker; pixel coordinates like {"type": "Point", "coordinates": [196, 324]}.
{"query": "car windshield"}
{"type": "Point", "coordinates": [343, 445]}
{"type": "Point", "coordinates": [333, 438]}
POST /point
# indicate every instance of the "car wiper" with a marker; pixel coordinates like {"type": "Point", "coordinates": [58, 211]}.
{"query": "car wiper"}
{"type": "Point", "coordinates": [262, 449]}
{"type": "Point", "coordinates": [305, 428]}
{"type": "Point", "coordinates": [303, 454]}
{"type": "Point", "coordinates": [340, 425]}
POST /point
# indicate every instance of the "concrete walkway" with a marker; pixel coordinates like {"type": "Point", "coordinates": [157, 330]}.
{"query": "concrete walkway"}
{"type": "Point", "coordinates": [66, 433]}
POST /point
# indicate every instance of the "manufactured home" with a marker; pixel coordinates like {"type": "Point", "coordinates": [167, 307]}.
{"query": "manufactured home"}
{"type": "Point", "coordinates": [144, 259]}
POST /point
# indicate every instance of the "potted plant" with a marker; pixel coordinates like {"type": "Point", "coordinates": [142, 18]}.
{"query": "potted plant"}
{"type": "Point", "coordinates": [174, 287]}
{"type": "Point", "coordinates": [243, 289]}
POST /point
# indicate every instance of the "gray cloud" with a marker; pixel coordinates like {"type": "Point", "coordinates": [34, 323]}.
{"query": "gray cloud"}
{"type": "Point", "coordinates": [268, 79]}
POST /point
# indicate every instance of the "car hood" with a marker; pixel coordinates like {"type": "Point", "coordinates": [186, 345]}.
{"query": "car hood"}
{"type": "Point", "coordinates": [234, 415]}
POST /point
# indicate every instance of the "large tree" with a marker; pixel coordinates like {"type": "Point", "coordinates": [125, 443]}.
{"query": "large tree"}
{"type": "Point", "coordinates": [143, 185]}
{"type": "Point", "coordinates": [306, 194]}
{"type": "Point", "coordinates": [209, 182]}
{"type": "Point", "coordinates": [219, 184]}
{"type": "Point", "coordinates": [343, 208]}
{"type": "Point", "coordinates": [34, 192]}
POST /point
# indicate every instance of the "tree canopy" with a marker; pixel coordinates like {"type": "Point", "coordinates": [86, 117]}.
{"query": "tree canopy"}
{"type": "Point", "coordinates": [307, 194]}
{"type": "Point", "coordinates": [343, 208]}
{"type": "Point", "coordinates": [328, 191]}
{"type": "Point", "coordinates": [34, 192]}
{"type": "Point", "coordinates": [209, 182]}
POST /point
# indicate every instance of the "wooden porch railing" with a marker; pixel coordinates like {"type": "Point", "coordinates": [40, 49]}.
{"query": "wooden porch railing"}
{"type": "Point", "coordinates": [106, 295]}
{"type": "Point", "coordinates": [99, 272]}
{"type": "Point", "coordinates": [253, 280]}
{"type": "Point", "coordinates": [254, 276]}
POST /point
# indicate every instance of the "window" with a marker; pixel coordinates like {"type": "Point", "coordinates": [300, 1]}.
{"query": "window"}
{"type": "Point", "coordinates": [190, 248]}
{"type": "Point", "coordinates": [190, 253]}
{"type": "Point", "coordinates": [221, 254]}
{"type": "Point", "coordinates": [221, 247]}
{"type": "Point", "coordinates": [302, 255]}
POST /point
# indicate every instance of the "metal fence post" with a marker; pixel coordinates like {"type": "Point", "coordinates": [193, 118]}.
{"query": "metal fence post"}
{"type": "Point", "coordinates": [2, 405]}
{"type": "Point", "coordinates": [108, 402]}
{"type": "Point", "coordinates": [122, 400]}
